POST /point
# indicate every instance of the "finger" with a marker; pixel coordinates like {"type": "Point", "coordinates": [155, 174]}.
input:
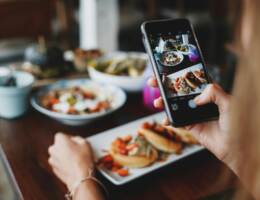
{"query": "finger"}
{"type": "Point", "coordinates": [152, 82]}
{"type": "Point", "coordinates": [52, 161]}
{"type": "Point", "coordinates": [189, 127]}
{"type": "Point", "coordinates": [54, 153]}
{"type": "Point", "coordinates": [61, 139]}
{"type": "Point", "coordinates": [60, 136]}
{"type": "Point", "coordinates": [213, 94]}
{"type": "Point", "coordinates": [166, 122]}
{"type": "Point", "coordinates": [158, 103]}
{"type": "Point", "coordinates": [51, 150]}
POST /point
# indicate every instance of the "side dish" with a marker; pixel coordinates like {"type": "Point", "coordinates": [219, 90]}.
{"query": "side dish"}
{"type": "Point", "coordinates": [76, 100]}
{"type": "Point", "coordinates": [132, 66]}
{"type": "Point", "coordinates": [84, 58]}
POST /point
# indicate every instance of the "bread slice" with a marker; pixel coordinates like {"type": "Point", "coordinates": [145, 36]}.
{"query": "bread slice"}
{"type": "Point", "coordinates": [191, 80]}
{"type": "Point", "coordinates": [133, 161]}
{"type": "Point", "coordinates": [160, 142]}
{"type": "Point", "coordinates": [184, 135]}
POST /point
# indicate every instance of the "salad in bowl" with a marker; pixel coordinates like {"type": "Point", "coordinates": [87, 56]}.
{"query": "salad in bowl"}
{"type": "Point", "coordinates": [76, 102]}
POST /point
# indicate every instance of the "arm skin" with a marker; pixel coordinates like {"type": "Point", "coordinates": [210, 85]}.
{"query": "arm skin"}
{"type": "Point", "coordinates": [76, 168]}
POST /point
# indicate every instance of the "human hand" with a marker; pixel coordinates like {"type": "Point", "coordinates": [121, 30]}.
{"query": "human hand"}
{"type": "Point", "coordinates": [214, 135]}
{"type": "Point", "coordinates": [71, 158]}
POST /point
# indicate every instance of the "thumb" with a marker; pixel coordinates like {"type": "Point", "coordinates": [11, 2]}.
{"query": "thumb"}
{"type": "Point", "coordinates": [213, 93]}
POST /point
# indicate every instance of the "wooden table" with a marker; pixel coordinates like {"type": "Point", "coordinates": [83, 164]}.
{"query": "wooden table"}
{"type": "Point", "coordinates": [25, 142]}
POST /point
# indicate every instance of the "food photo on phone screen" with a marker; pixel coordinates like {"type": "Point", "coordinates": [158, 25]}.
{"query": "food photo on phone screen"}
{"type": "Point", "coordinates": [180, 64]}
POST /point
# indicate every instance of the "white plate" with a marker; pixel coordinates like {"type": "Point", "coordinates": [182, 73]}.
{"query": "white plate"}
{"type": "Point", "coordinates": [129, 84]}
{"type": "Point", "coordinates": [117, 94]}
{"type": "Point", "coordinates": [173, 52]}
{"type": "Point", "coordinates": [190, 46]}
{"type": "Point", "coordinates": [102, 141]}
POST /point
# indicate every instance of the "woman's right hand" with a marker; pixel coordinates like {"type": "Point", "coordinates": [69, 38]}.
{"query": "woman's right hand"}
{"type": "Point", "coordinates": [214, 135]}
{"type": "Point", "coordinates": [71, 158]}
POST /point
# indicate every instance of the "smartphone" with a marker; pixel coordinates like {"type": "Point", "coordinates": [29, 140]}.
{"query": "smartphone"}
{"type": "Point", "coordinates": [179, 68]}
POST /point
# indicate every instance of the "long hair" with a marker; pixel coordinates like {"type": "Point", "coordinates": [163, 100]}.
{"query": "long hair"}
{"type": "Point", "coordinates": [245, 117]}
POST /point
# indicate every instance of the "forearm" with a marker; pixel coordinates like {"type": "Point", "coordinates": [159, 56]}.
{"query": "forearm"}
{"type": "Point", "coordinates": [88, 190]}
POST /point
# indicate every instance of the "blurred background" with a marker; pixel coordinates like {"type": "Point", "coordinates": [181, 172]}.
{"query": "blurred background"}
{"type": "Point", "coordinates": [111, 25]}
{"type": "Point", "coordinates": [62, 39]}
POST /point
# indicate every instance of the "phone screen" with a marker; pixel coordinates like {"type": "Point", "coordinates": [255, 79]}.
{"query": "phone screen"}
{"type": "Point", "coordinates": [180, 66]}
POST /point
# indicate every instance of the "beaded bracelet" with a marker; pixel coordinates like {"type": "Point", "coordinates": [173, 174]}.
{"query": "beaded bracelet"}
{"type": "Point", "coordinates": [71, 193]}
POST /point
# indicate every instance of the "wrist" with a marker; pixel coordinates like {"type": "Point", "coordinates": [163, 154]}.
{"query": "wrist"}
{"type": "Point", "coordinates": [81, 173]}
{"type": "Point", "coordinates": [234, 163]}
{"type": "Point", "coordinates": [87, 187]}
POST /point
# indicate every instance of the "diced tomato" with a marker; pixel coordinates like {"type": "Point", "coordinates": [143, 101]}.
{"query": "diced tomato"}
{"type": "Point", "coordinates": [72, 110]}
{"type": "Point", "coordinates": [146, 125]}
{"type": "Point", "coordinates": [54, 100]}
{"type": "Point", "coordinates": [88, 95]}
{"type": "Point", "coordinates": [123, 172]}
{"type": "Point", "coordinates": [107, 158]}
{"type": "Point", "coordinates": [108, 165]}
{"type": "Point", "coordinates": [127, 138]}
{"type": "Point", "coordinates": [103, 105]}
{"type": "Point", "coordinates": [123, 151]}
{"type": "Point", "coordinates": [159, 129]}
{"type": "Point", "coordinates": [116, 167]}
{"type": "Point", "coordinates": [116, 164]}
{"type": "Point", "coordinates": [120, 143]}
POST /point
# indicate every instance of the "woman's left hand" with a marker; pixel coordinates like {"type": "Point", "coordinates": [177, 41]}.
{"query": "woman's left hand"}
{"type": "Point", "coordinates": [71, 158]}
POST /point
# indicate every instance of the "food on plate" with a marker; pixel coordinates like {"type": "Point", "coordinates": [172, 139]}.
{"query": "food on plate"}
{"type": "Point", "coordinates": [132, 66]}
{"type": "Point", "coordinates": [185, 136]}
{"type": "Point", "coordinates": [171, 87]}
{"type": "Point", "coordinates": [170, 58]}
{"type": "Point", "coordinates": [84, 58]}
{"type": "Point", "coordinates": [108, 162]}
{"type": "Point", "coordinates": [170, 45]}
{"type": "Point", "coordinates": [77, 100]}
{"type": "Point", "coordinates": [134, 153]}
{"type": "Point", "coordinates": [199, 74]}
{"type": "Point", "coordinates": [161, 138]}
{"type": "Point", "coordinates": [187, 83]}
{"type": "Point", "coordinates": [183, 48]}
{"type": "Point", "coordinates": [152, 143]}
{"type": "Point", "coordinates": [181, 86]}
{"type": "Point", "coordinates": [192, 80]}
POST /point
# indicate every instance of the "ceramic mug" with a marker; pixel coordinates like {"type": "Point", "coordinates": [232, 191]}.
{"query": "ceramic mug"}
{"type": "Point", "coordinates": [14, 100]}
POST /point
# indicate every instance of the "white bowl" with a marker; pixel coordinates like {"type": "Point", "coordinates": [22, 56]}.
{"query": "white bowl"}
{"type": "Point", "coordinates": [119, 98]}
{"type": "Point", "coordinates": [129, 84]}
{"type": "Point", "coordinates": [14, 100]}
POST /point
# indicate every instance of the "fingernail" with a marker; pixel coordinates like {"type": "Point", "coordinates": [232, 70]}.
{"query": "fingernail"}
{"type": "Point", "coordinates": [155, 103]}
{"type": "Point", "coordinates": [149, 81]}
